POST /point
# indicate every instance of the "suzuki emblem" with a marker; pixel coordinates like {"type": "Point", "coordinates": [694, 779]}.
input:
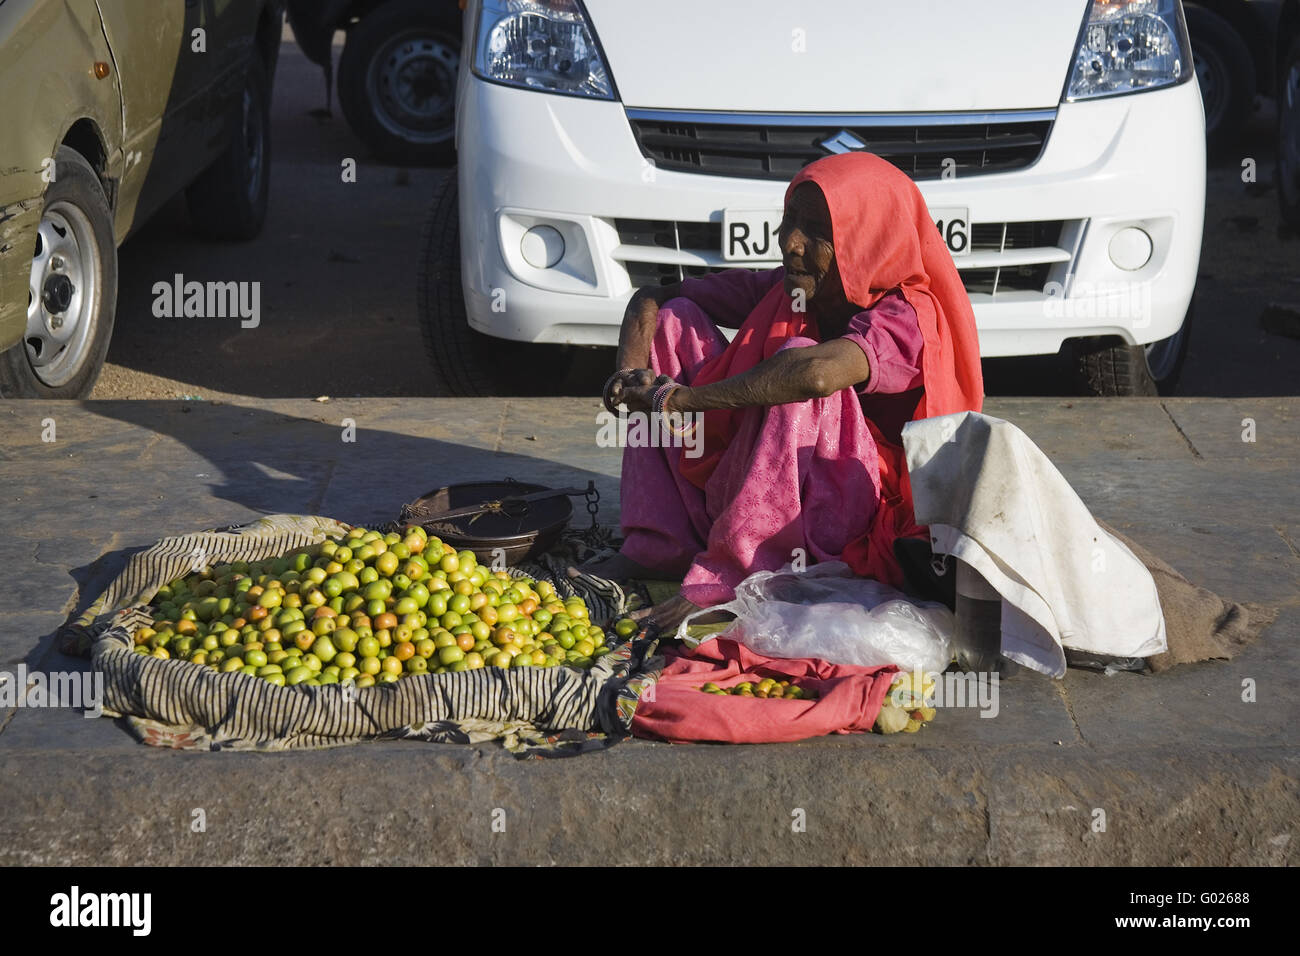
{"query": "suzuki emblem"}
{"type": "Point", "coordinates": [843, 142]}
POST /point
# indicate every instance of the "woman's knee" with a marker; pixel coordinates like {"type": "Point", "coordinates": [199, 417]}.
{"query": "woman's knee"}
{"type": "Point", "coordinates": [797, 342]}
{"type": "Point", "coordinates": [685, 337]}
{"type": "Point", "coordinates": [684, 313]}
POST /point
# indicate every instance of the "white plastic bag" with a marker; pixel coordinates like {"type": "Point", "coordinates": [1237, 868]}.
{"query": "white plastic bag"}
{"type": "Point", "coordinates": [827, 613]}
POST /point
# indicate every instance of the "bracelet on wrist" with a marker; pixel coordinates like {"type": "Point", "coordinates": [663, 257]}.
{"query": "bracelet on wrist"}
{"type": "Point", "coordinates": [660, 397]}
{"type": "Point", "coordinates": [659, 404]}
{"type": "Point", "coordinates": [609, 383]}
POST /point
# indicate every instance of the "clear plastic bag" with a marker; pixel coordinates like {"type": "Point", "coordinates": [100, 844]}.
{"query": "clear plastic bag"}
{"type": "Point", "coordinates": [826, 612]}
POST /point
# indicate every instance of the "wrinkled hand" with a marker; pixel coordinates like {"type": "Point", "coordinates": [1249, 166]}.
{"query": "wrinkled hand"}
{"type": "Point", "coordinates": [636, 389]}
{"type": "Point", "coordinates": [624, 380]}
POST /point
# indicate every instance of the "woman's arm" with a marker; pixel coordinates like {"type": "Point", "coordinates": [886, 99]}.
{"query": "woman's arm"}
{"type": "Point", "coordinates": [890, 336]}
{"type": "Point", "coordinates": [791, 375]}
{"type": "Point", "coordinates": [639, 323]}
{"type": "Point", "coordinates": [727, 297]}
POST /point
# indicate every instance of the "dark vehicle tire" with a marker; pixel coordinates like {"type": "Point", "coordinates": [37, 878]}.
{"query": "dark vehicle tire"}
{"type": "Point", "coordinates": [468, 362]}
{"type": "Point", "coordinates": [1288, 137]}
{"type": "Point", "coordinates": [397, 81]}
{"type": "Point", "coordinates": [73, 290]}
{"type": "Point", "coordinates": [1134, 369]}
{"type": "Point", "coordinates": [229, 200]}
{"type": "Point", "coordinates": [1226, 73]}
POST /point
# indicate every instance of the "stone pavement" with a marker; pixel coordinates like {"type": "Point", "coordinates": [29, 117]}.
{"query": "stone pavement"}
{"type": "Point", "coordinates": [1184, 771]}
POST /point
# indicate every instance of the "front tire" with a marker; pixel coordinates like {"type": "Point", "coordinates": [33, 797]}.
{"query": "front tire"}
{"type": "Point", "coordinates": [1226, 74]}
{"type": "Point", "coordinates": [229, 200]}
{"type": "Point", "coordinates": [397, 81]}
{"type": "Point", "coordinates": [1123, 370]}
{"type": "Point", "coordinates": [72, 294]}
{"type": "Point", "coordinates": [468, 362]}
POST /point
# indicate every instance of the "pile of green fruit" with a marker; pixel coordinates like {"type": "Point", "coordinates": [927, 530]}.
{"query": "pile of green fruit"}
{"type": "Point", "coordinates": [368, 608]}
{"type": "Point", "coordinates": [766, 688]}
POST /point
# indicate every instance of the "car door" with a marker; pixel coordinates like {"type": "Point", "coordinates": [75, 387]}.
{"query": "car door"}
{"type": "Point", "coordinates": [232, 33]}
{"type": "Point", "coordinates": [165, 67]}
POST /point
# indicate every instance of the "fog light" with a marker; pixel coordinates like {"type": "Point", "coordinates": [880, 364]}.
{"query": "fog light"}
{"type": "Point", "coordinates": [1130, 248]}
{"type": "Point", "coordinates": [542, 247]}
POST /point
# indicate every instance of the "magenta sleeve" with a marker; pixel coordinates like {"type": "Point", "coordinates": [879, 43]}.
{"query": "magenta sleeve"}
{"type": "Point", "coordinates": [890, 336]}
{"type": "Point", "coordinates": [729, 296]}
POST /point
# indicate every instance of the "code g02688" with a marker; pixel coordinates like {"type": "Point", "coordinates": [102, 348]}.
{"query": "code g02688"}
{"type": "Point", "coordinates": [1225, 897]}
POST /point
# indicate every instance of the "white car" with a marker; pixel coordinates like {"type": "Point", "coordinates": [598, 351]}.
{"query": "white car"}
{"type": "Point", "coordinates": [607, 145]}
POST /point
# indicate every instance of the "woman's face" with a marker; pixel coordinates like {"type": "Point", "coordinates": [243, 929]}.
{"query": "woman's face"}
{"type": "Point", "coordinates": [806, 247]}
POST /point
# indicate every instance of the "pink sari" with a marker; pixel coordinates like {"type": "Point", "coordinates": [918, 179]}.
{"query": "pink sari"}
{"type": "Point", "coordinates": [780, 488]}
{"type": "Point", "coordinates": [817, 476]}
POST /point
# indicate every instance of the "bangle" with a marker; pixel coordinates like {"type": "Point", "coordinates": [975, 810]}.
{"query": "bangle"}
{"type": "Point", "coordinates": [609, 382]}
{"type": "Point", "coordinates": [660, 405]}
{"type": "Point", "coordinates": [660, 400]}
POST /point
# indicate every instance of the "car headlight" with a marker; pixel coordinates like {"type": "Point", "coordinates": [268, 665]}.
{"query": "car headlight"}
{"type": "Point", "coordinates": [542, 45]}
{"type": "Point", "coordinates": [1130, 45]}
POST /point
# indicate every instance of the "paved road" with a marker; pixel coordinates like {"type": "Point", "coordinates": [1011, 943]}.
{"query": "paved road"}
{"type": "Point", "coordinates": [338, 261]}
{"type": "Point", "coordinates": [1186, 770]}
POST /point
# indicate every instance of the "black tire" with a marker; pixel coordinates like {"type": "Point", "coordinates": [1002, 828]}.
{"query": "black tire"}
{"type": "Point", "coordinates": [397, 81]}
{"type": "Point", "coordinates": [229, 200]}
{"type": "Point", "coordinates": [1226, 71]}
{"type": "Point", "coordinates": [76, 189]}
{"type": "Point", "coordinates": [1115, 370]}
{"type": "Point", "coordinates": [468, 362]}
{"type": "Point", "coordinates": [1288, 137]}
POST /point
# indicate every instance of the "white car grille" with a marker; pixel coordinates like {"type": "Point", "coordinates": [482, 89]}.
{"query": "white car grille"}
{"type": "Point", "coordinates": [1006, 259]}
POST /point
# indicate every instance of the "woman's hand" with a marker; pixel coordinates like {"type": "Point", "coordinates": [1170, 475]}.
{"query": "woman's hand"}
{"type": "Point", "coordinates": [620, 382]}
{"type": "Point", "coordinates": [640, 397]}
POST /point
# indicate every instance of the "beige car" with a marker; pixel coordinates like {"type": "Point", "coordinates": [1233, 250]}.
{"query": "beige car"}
{"type": "Point", "coordinates": [107, 110]}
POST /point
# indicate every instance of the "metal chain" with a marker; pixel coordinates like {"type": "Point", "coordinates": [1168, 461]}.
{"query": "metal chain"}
{"type": "Point", "coordinates": [593, 501]}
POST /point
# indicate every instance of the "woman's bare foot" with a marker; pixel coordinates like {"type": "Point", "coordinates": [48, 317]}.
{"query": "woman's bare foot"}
{"type": "Point", "coordinates": [668, 614]}
{"type": "Point", "coordinates": [618, 567]}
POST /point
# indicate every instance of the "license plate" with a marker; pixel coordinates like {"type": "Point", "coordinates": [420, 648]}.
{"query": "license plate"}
{"type": "Point", "coordinates": [953, 223]}
{"type": "Point", "coordinates": [750, 235]}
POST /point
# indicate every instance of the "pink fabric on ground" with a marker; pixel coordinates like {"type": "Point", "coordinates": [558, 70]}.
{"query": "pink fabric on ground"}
{"type": "Point", "coordinates": [798, 476]}
{"type": "Point", "coordinates": [849, 702]}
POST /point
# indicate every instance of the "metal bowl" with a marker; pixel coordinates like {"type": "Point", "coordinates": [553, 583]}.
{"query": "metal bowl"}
{"type": "Point", "coordinates": [519, 536]}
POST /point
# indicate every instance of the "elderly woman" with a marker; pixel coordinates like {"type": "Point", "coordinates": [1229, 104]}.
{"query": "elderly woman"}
{"type": "Point", "coordinates": [865, 327]}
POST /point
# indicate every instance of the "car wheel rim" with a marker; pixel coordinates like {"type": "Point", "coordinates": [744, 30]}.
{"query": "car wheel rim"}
{"type": "Point", "coordinates": [1209, 75]}
{"type": "Point", "coordinates": [1288, 153]}
{"type": "Point", "coordinates": [412, 84]}
{"type": "Point", "coordinates": [63, 294]}
{"type": "Point", "coordinates": [253, 143]}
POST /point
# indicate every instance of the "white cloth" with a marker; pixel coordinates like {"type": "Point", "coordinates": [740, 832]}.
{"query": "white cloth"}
{"type": "Point", "coordinates": [992, 499]}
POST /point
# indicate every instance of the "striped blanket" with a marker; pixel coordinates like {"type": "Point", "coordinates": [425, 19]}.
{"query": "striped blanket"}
{"type": "Point", "coordinates": [173, 703]}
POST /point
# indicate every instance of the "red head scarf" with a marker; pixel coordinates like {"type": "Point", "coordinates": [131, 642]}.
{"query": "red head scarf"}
{"type": "Point", "coordinates": [884, 239]}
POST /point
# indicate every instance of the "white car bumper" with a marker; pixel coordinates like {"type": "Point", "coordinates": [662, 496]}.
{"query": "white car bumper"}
{"type": "Point", "coordinates": [530, 159]}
